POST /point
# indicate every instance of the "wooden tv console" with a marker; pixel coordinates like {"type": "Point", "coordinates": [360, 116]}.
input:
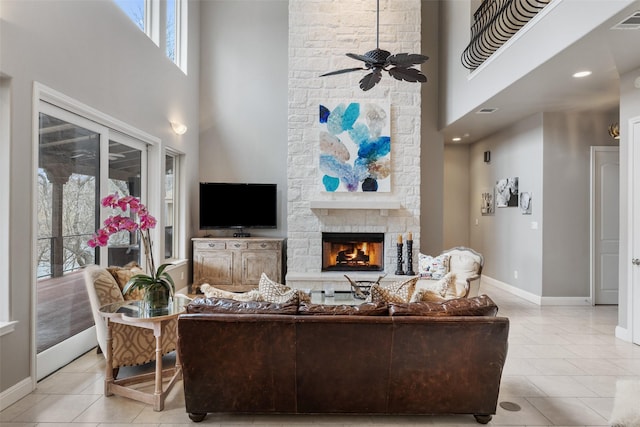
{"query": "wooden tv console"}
{"type": "Point", "coordinates": [236, 264]}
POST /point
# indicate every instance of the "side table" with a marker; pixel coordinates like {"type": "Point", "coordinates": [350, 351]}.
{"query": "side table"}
{"type": "Point", "coordinates": [133, 313]}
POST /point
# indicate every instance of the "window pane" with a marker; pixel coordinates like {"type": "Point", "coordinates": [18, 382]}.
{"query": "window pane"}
{"type": "Point", "coordinates": [134, 10]}
{"type": "Point", "coordinates": [68, 165]}
{"type": "Point", "coordinates": [169, 206]}
{"type": "Point", "coordinates": [125, 168]}
{"type": "Point", "coordinates": [171, 29]}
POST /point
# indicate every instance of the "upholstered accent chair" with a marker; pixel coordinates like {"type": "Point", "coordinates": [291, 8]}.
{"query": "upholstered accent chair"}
{"type": "Point", "coordinates": [457, 274]}
{"type": "Point", "coordinates": [131, 345]}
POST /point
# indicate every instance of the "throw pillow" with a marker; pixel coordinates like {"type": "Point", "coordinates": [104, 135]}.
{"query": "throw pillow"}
{"type": "Point", "coordinates": [278, 293]}
{"type": "Point", "coordinates": [400, 291]}
{"type": "Point", "coordinates": [123, 275]}
{"type": "Point", "coordinates": [476, 306]}
{"type": "Point", "coordinates": [424, 265]}
{"type": "Point", "coordinates": [433, 267]}
{"type": "Point", "coordinates": [213, 292]}
{"type": "Point", "coordinates": [441, 290]}
{"type": "Point", "coordinates": [105, 285]}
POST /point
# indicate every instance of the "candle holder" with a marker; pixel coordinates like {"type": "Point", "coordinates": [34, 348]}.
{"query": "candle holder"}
{"type": "Point", "coordinates": [410, 271]}
{"type": "Point", "coordinates": [399, 271]}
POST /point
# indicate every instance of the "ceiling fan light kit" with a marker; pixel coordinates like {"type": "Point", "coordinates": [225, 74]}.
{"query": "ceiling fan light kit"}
{"type": "Point", "coordinates": [399, 66]}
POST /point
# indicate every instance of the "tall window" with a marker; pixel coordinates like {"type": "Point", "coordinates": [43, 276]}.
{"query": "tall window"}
{"type": "Point", "coordinates": [169, 33]}
{"type": "Point", "coordinates": [135, 10]}
{"type": "Point", "coordinates": [170, 206]}
{"type": "Point", "coordinates": [6, 325]}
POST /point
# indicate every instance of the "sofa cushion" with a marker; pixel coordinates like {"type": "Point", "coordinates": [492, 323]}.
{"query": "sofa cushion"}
{"type": "Point", "coordinates": [213, 292]}
{"type": "Point", "coordinates": [428, 290]}
{"type": "Point", "coordinates": [379, 308]}
{"type": "Point", "coordinates": [399, 291]}
{"type": "Point", "coordinates": [123, 274]}
{"type": "Point", "coordinates": [223, 305]}
{"type": "Point", "coordinates": [433, 267]}
{"type": "Point", "coordinates": [477, 306]}
{"type": "Point", "coordinates": [278, 293]}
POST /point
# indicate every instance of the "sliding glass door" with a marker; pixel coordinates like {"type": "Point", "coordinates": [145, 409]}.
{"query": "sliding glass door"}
{"type": "Point", "coordinates": [79, 162]}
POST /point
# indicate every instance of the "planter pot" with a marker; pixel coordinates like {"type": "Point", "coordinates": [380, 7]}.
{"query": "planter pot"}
{"type": "Point", "coordinates": [156, 301]}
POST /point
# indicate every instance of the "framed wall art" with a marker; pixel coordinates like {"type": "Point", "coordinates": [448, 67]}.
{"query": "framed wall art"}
{"type": "Point", "coordinates": [507, 192]}
{"type": "Point", "coordinates": [355, 147]}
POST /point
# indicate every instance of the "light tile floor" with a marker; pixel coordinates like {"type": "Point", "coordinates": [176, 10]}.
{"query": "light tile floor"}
{"type": "Point", "coordinates": [561, 370]}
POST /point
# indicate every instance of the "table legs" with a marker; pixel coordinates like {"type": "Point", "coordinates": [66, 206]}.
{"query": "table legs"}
{"type": "Point", "coordinates": [123, 387]}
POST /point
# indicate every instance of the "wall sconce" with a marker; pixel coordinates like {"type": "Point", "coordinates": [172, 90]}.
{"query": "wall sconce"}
{"type": "Point", "coordinates": [614, 130]}
{"type": "Point", "coordinates": [487, 156]}
{"type": "Point", "coordinates": [178, 128]}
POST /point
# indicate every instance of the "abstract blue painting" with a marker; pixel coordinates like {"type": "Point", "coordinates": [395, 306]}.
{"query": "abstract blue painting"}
{"type": "Point", "coordinates": [355, 147]}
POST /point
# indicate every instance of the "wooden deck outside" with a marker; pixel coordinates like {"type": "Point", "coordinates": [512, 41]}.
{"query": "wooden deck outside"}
{"type": "Point", "coordinates": [63, 309]}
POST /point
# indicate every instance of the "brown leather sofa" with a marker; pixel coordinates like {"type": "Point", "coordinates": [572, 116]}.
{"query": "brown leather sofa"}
{"type": "Point", "coordinates": [417, 358]}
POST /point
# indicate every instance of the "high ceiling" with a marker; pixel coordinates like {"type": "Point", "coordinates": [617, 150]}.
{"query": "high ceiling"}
{"type": "Point", "coordinates": [608, 53]}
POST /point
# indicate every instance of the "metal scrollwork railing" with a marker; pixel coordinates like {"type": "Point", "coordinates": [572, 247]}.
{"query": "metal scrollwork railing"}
{"type": "Point", "coordinates": [495, 22]}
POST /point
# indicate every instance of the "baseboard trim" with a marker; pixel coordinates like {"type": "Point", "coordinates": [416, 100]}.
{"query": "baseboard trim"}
{"type": "Point", "coordinates": [623, 333]}
{"type": "Point", "coordinates": [15, 393]}
{"type": "Point", "coordinates": [535, 299]}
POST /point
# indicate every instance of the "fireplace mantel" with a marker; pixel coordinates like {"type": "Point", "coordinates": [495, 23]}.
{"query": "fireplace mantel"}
{"type": "Point", "coordinates": [383, 205]}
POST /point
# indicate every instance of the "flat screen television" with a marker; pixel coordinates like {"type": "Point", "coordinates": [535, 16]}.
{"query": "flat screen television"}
{"type": "Point", "coordinates": [238, 205]}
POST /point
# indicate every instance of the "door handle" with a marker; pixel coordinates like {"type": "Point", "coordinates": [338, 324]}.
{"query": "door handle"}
{"type": "Point", "coordinates": [635, 261]}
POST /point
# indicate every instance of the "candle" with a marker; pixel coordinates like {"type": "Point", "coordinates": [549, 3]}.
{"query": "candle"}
{"type": "Point", "coordinates": [410, 236]}
{"type": "Point", "coordinates": [400, 238]}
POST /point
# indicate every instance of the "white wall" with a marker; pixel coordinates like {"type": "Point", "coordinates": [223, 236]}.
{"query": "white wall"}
{"type": "Point", "coordinates": [465, 91]}
{"type": "Point", "coordinates": [549, 153]}
{"type": "Point", "coordinates": [243, 97]}
{"type": "Point", "coordinates": [92, 52]}
{"type": "Point", "coordinates": [566, 170]}
{"type": "Point", "coordinates": [506, 239]}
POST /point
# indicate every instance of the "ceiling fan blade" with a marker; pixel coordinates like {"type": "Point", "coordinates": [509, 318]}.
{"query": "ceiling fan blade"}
{"type": "Point", "coordinates": [407, 74]}
{"type": "Point", "coordinates": [370, 80]}
{"type": "Point", "coordinates": [346, 70]}
{"type": "Point", "coordinates": [362, 58]}
{"type": "Point", "coordinates": [406, 59]}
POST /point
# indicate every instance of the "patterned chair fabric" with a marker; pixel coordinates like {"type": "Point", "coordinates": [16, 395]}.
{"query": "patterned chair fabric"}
{"type": "Point", "coordinates": [131, 345]}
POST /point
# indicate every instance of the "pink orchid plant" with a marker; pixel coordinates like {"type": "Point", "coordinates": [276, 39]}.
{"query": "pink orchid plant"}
{"type": "Point", "coordinates": [145, 222]}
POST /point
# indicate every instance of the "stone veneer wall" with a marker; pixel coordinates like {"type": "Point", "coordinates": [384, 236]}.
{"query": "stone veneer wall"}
{"type": "Point", "coordinates": [320, 33]}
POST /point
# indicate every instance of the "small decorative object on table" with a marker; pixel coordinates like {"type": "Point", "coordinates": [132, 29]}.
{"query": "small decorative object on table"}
{"type": "Point", "coordinates": [399, 270]}
{"type": "Point", "coordinates": [410, 271]}
{"type": "Point", "coordinates": [362, 288]}
{"type": "Point", "coordinates": [158, 286]}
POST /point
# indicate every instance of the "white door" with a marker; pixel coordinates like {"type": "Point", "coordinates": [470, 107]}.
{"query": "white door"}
{"type": "Point", "coordinates": [605, 200]}
{"type": "Point", "coordinates": [634, 266]}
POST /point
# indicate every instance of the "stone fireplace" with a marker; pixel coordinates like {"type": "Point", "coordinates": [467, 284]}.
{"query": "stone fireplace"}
{"type": "Point", "coordinates": [313, 212]}
{"type": "Point", "coordinates": [352, 251]}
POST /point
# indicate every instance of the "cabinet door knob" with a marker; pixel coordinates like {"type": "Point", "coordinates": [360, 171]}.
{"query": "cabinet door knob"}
{"type": "Point", "coordinates": [211, 245]}
{"type": "Point", "coordinates": [635, 261]}
{"type": "Point", "coordinates": [264, 245]}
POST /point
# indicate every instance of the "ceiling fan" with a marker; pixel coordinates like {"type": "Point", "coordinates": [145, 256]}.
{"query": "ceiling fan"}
{"type": "Point", "coordinates": [399, 66]}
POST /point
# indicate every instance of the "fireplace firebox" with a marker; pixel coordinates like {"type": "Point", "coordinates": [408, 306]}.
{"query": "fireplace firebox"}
{"type": "Point", "coordinates": [352, 251]}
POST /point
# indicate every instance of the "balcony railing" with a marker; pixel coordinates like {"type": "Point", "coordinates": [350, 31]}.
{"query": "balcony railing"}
{"type": "Point", "coordinates": [495, 22]}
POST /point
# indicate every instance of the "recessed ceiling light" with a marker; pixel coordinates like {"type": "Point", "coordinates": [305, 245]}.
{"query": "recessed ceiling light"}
{"type": "Point", "coordinates": [456, 139]}
{"type": "Point", "coordinates": [580, 74]}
